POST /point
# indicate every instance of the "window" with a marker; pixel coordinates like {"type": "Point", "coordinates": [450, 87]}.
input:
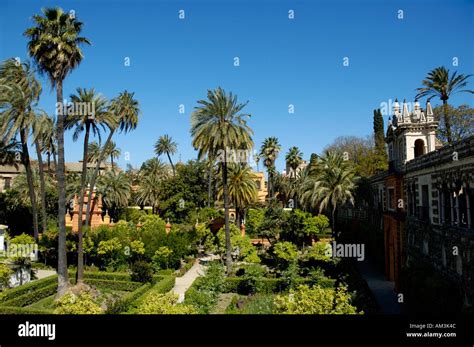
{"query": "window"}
{"type": "Point", "coordinates": [7, 183]}
{"type": "Point", "coordinates": [391, 198]}
{"type": "Point", "coordinates": [419, 148]}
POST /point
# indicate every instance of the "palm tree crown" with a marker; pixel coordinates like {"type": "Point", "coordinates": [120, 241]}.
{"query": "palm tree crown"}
{"type": "Point", "coordinates": [166, 145]}
{"type": "Point", "coordinates": [294, 158]}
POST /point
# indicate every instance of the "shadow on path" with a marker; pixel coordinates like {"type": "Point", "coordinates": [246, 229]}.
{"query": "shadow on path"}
{"type": "Point", "coordinates": [382, 289]}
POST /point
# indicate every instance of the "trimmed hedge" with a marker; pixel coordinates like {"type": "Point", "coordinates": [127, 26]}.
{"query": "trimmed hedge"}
{"type": "Point", "coordinates": [124, 303]}
{"type": "Point", "coordinates": [22, 310]}
{"type": "Point", "coordinates": [27, 288]}
{"type": "Point", "coordinates": [32, 297]}
{"type": "Point", "coordinates": [126, 286]}
{"type": "Point", "coordinates": [164, 284]}
{"type": "Point", "coordinates": [114, 276]}
{"type": "Point", "coordinates": [234, 285]}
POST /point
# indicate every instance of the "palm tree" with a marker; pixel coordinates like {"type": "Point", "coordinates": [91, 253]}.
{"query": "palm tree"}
{"type": "Point", "coordinates": [148, 192]}
{"type": "Point", "coordinates": [217, 127]}
{"type": "Point", "coordinates": [9, 152]}
{"type": "Point", "coordinates": [439, 83]}
{"type": "Point", "coordinates": [47, 140]}
{"type": "Point", "coordinates": [40, 127]}
{"type": "Point", "coordinates": [54, 43]}
{"type": "Point", "coordinates": [153, 167]}
{"type": "Point", "coordinates": [269, 152]}
{"type": "Point", "coordinates": [242, 189]}
{"type": "Point", "coordinates": [294, 158]}
{"type": "Point", "coordinates": [21, 185]}
{"type": "Point", "coordinates": [93, 151]}
{"type": "Point", "coordinates": [126, 110]}
{"type": "Point", "coordinates": [113, 151]}
{"type": "Point", "coordinates": [18, 100]}
{"type": "Point", "coordinates": [332, 186]}
{"type": "Point", "coordinates": [165, 144]}
{"type": "Point", "coordinates": [94, 116]}
{"type": "Point", "coordinates": [115, 189]}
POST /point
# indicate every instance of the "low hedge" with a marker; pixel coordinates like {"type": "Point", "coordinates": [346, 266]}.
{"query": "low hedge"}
{"type": "Point", "coordinates": [127, 301]}
{"type": "Point", "coordinates": [32, 297]}
{"type": "Point", "coordinates": [127, 286]}
{"type": "Point", "coordinates": [22, 310]}
{"type": "Point", "coordinates": [269, 285]}
{"type": "Point", "coordinates": [30, 287]}
{"type": "Point", "coordinates": [110, 276]}
{"type": "Point", "coordinates": [164, 284]}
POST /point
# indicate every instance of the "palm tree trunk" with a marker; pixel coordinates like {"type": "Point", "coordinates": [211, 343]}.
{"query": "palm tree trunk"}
{"type": "Point", "coordinates": [447, 122]}
{"type": "Point", "coordinates": [112, 161]}
{"type": "Point", "coordinates": [63, 281]}
{"type": "Point", "coordinates": [25, 156]}
{"type": "Point", "coordinates": [228, 246]}
{"type": "Point", "coordinates": [171, 162]}
{"type": "Point", "coordinates": [49, 163]}
{"type": "Point", "coordinates": [80, 249]}
{"type": "Point", "coordinates": [95, 174]}
{"type": "Point", "coordinates": [44, 218]}
{"type": "Point", "coordinates": [209, 187]}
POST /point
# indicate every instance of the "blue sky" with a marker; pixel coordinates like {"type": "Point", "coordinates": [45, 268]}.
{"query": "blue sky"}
{"type": "Point", "coordinates": [282, 61]}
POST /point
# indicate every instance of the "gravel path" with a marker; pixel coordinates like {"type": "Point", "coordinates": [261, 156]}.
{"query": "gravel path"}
{"type": "Point", "coordinates": [183, 283]}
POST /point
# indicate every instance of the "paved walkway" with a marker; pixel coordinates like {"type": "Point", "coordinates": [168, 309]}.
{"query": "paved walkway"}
{"type": "Point", "coordinates": [383, 290]}
{"type": "Point", "coordinates": [44, 273]}
{"type": "Point", "coordinates": [183, 283]}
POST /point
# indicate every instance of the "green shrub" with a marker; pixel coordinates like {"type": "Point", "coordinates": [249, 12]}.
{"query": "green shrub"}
{"type": "Point", "coordinates": [5, 275]}
{"type": "Point", "coordinates": [22, 310]}
{"type": "Point", "coordinates": [30, 287]}
{"type": "Point", "coordinates": [165, 272]}
{"type": "Point", "coordinates": [255, 304]}
{"type": "Point", "coordinates": [127, 301]}
{"type": "Point", "coordinates": [31, 297]}
{"type": "Point", "coordinates": [252, 279]}
{"type": "Point", "coordinates": [110, 276]}
{"type": "Point", "coordinates": [126, 286]}
{"type": "Point", "coordinates": [158, 303]}
{"type": "Point", "coordinates": [165, 284]}
{"type": "Point", "coordinates": [77, 304]}
{"type": "Point", "coordinates": [315, 300]}
{"type": "Point", "coordinates": [266, 285]}
{"type": "Point", "coordinates": [141, 272]}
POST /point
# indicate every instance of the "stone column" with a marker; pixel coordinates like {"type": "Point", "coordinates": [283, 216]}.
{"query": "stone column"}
{"type": "Point", "coordinates": [458, 214]}
{"type": "Point", "coordinates": [468, 209]}
{"type": "Point", "coordinates": [441, 206]}
{"type": "Point", "coordinates": [452, 206]}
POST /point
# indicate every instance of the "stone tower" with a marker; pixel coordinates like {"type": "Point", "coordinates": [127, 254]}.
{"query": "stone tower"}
{"type": "Point", "coordinates": [410, 134]}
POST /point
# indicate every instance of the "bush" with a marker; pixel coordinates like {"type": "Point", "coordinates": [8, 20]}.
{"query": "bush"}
{"type": "Point", "coordinates": [255, 304]}
{"type": "Point", "coordinates": [157, 303]}
{"type": "Point", "coordinates": [27, 288]}
{"type": "Point", "coordinates": [142, 272]}
{"type": "Point", "coordinates": [267, 285]}
{"type": "Point", "coordinates": [252, 279]}
{"type": "Point", "coordinates": [70, 303]}
{"type": "Point", "coordinates": [22, 310]}
{"type": "Point", "coordinates": [5, 275]}
{"type": "Point", "coordinates": [315, 300]}
{"type": "Point", "coordinates": [33, 296]}
{"type": "Point", "coordinates": [124, 303]}
{"type": "Point", "coordinates": [165, 284]}
{"type": "Point", "coordinates": [126, 286]}
{"type": "Point", "coordinates": [109, 276]}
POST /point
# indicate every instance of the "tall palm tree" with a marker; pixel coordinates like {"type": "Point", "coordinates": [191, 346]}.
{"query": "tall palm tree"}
{"type": "Point", "coordinates": [294, 158]}
{"type": "Point", "coordinates": [439, 83]}
{"type": "Point", "coordinates": [54, 44]}
{"type": "Point", "coordinates": [153, 167]}
{"type": "Point", "coordinates": [269, 152]}
{"type": "Point", "coordinates": [115, 189]}
{"type": "Point", "coordinates": [126, 111]}
{"type": "Point", "coordinates": [19, 97]}
{"type": "Point", "coordinates": [242, 189]}
{"type": "Point", "coordinates": [47, 140]}
{"type": "Point", "coordinates": [40, 126]}
{"type": "Point", "coordinates": [92, 116]}
{"type": "Point", "coordinates": [165, 144]}
{"type": "Point", "coordinates": [217, 127]}
{"type": "Point", "coordinates": [333, 185]}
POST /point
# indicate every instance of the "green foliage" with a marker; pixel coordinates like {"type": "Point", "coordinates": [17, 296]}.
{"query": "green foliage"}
{"type": "Point", "coordinates": [5, 274]}
{"type": "Point", "coordinates": [290, 277]}
{"type": "Point", "coordinates": [320, 251]}
{"type": "Point", "coordinates": [252, 279]}
{"type": "Point", "coordinates": [28, 288]}
{"type": "Point", "coordinates": [132, 215]}
{"type": "Point", "coordinates": [205, 290]}
{"type": "Point", "coordinates": [142, 271]}
{"type": "Point", "coordinates": [32, 296]}
{"type": "Point", "coordinates": [83, 303]}
{"type": "Point", "coordinates": [315, 300]}
{"type": "Point", "coordinates": [127, 286]}
{"type": "Point", "coordinates": [265, 285]}
{"type": "Point", "coordinates": [162, 256]}
{"type": "Point", "coordinates": [157, 303]}
{"type": "Point", "coordinates": [254, 220]}
{"type": "Point", "coordinates": [255, 304]}
{"type": "Point", "coordinates": [461, 119]}
{"type": "Point", "coordinates": [23, 239]}
{"type": "Point", "coordinates": [285, 251]}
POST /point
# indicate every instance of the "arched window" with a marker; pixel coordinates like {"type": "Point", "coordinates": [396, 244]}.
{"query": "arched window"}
{"type": "Point", "coordinates": [419, 148]}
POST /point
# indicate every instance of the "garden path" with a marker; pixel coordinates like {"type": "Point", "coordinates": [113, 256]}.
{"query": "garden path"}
{"type": "Point", "coordinates": [383, 290]}
{"type": "Point", "coordinates": [44, 273]}
{"type": "Point", "coordinates": [183, 283]}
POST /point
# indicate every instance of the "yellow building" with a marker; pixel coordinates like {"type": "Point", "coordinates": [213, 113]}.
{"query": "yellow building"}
{"type": "Point", "coordinates": [261, 186]}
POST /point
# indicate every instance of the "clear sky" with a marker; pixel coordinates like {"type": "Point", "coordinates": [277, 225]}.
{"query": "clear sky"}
{"type": "Point", "coordinates": [282, 61]}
